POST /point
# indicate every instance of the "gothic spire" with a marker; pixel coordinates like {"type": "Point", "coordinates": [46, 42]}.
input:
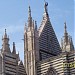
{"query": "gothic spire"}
{"type": "Point", "coordinates": [35, 25]}
{"type": "Point", "coordinates": [72, 46]}
{"type": "Point", "coordinates": [65, 27]}
{"type": "Point", "coordinates": [18, 56]}
{"type": "Point", "coordinates": [14, 49]}
{"type": "Point", "coordinates": [65, 33]}
{"type": "Point", "coordinates": [29, 18]}
{"type": "Point", "coordinates": [29, 12]}
{"type": "Point", "coordinates": [5, 34]}
{"type": "Point", "coordinates": [67, 41]}
{"type": "Point", "coordinates": [5, 45]}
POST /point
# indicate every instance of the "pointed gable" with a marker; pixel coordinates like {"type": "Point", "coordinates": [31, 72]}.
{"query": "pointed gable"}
{"type": "Point", "coordinates": [48, 43]}
{"type": "Point", "coordinates": [21, 69]}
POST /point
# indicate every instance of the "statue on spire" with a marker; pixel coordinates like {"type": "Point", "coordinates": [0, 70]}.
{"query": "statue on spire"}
{"type": "Point", "coordinates": [46, 9]}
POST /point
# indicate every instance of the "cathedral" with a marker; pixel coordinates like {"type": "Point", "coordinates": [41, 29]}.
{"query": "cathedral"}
{"type": "Point", "coordinates": [43, 54]}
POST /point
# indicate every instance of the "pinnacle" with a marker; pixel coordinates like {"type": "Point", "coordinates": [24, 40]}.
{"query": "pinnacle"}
{"type": "Point", "coordinates": [14, 50]}
{"type": "Point", "coordinates": [5, 35]}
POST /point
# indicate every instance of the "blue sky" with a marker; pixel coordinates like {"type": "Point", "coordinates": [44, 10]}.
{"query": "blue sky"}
{"type": "Point", "coordinates": [14, 14]}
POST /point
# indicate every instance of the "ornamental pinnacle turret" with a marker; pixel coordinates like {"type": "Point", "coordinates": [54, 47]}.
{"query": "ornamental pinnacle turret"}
{"type": "Point", "coordinates": [5, 45]}
{"type": "Point", "coordinates": [14, 48]}
{"type": "Point", "coordinates": [9, 60]}
{"type": "Point", "coordinates": [31, 48]}
{"type": "Point", "coordinates": [65, 34]}
{"type": "Point", "coordinates": [66, 41]}
{"type": "Point", "coordinates": [29, 19]}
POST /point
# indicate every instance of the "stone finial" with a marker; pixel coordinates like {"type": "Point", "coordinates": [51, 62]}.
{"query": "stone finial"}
{"type": "Point", "coordinates": [45, 6]}
{"type": "Point", "coordinates": [46, 16]}
{"type": "Point", "coordinates": [14, 49]}
{"type": "Point", "coordinates": [65, 33]}
{"type": "Point", "coordinates": [65, 27]}
{"type": "Point", "coordinates": [5, 34]}
{"type": "Point", "coordinates": [35, 25]}
{"type": "Point", "coordinates": [29, 12]}
{"type": "Point", "coordinates": [29, 19]}
{"type": "Point", "coordinates": [5, 45]}
{"type": "Point", "coordinates": [18, 56]}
